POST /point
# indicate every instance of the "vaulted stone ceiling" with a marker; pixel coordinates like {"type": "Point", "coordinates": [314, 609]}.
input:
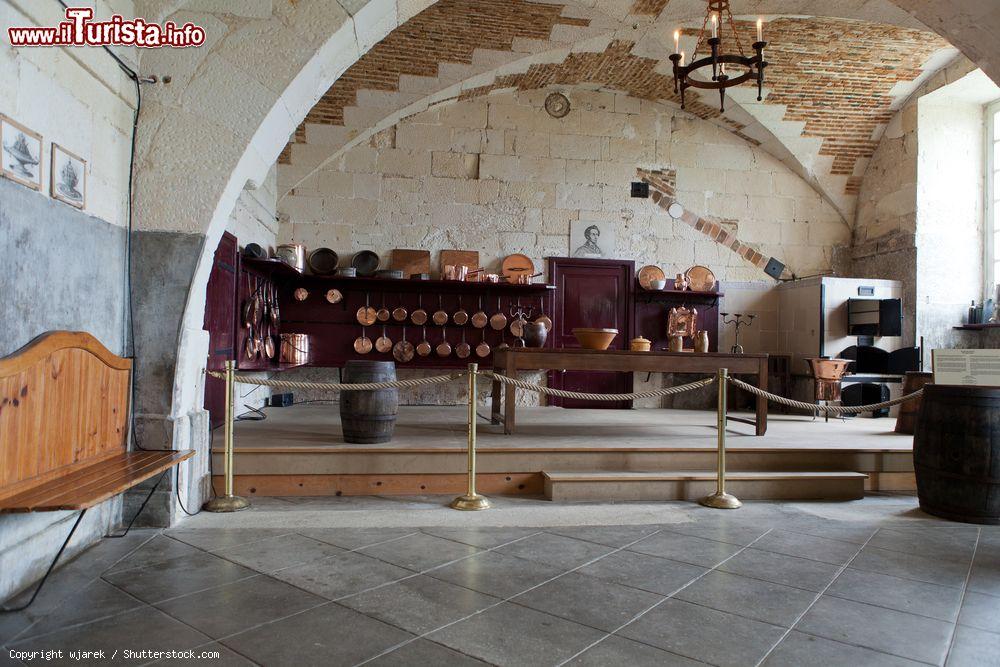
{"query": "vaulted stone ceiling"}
{"type": "Point", "coordinates": [833, 82]}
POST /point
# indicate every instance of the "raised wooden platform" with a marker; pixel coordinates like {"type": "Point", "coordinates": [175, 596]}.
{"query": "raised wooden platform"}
{"type": "Point", "coordinates": [299, 451]}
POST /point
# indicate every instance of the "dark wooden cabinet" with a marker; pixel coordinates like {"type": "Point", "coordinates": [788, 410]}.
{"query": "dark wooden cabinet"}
{"type": "Point", "coordinates": [593, 293]}
{"type": "Point", "coordinates": [220, 322]}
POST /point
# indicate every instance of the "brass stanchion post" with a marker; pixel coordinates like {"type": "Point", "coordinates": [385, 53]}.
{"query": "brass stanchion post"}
{"type": "Point", "coordinates": [471, 500]}
{"type": "Point", "coordinates": [720, 499]}
{"type": "Point", "coordinates": [228, 502]}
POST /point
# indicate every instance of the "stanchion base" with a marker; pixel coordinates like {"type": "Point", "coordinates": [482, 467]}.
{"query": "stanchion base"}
{"type": "Point", "coordinates": [721, 501]}
{"type": "Point", "coordinates": [226, 504]}
{"type": "Point", "coordinates": [470, 503]}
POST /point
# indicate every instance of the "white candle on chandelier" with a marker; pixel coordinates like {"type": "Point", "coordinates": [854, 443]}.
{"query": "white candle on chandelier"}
{"type": "Point", "coordinates": [760, 30]}
{"type": "Point", "coordinates": [682, 59]}
{"type": "Point", "coordinates": [677, 41]}
{"type": "Point", "coordinates": [715, 25]}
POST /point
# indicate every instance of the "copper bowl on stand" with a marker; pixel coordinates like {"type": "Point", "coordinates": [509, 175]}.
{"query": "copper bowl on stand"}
{"type": "Point", "coordinates": [828, 374]}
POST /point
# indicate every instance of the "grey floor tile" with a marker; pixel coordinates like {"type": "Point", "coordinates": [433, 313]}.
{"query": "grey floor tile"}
{"type": "Point", "coordinates": [620, 652]}
{"type": "Point", "coordinates": [214, 539]}
{"type": "Point", "coordinates": [798, 649]}
{"type": "Point", "coordinates": [179, 576]}
{"type": "Point", "coordinates": [928, 543]}
{"type": "Point", "coordinates": [496, 574]}
{"type": "Point", "coordinates": [811, 575]}
{"type": "Point", "coordinates": [355, 538]}
{"type": "Point", "coordinates": [612, 536]}
{"type": "Point", "coordinates": [279, 552]}
{"type": "Point", "coordinates": [686, 549]}
{"type": "Point", "coordinates": [751, 598]}
{"type": "Point", "coordinates": [419, 552]}
{"type": "Point", "coordinates": [327, 635]}
{"type": "Point", "coordinates": [509, 634]}
{"type": "Point", "coordinates": [911, 566]}
{"type": "Point", "coordinates": [845, 531]}
{"type": "Point", "coordinates": [96, 600]}
{"type": "Point", "coordinates": [485, 538]}
{"type": "Point", "coordinates": [985, 576]}
{"type": "Point", "coordinates": [424, 652]}
{"type": "Point", "coordinates": [704, 634]}
{"type": "Point", "coordinates": [642, 571]}
{"type": "Point", "coordinates": [419, 604]}
{"type": "Point", "coordinates": [974, 648]}
{"type": "Point", "coordinates": [555, 550]}
{"type": "Point", "coordinates": [895, 632]}
{"type": "Point", "coordinates": [344, 574]}
{"type": "Point", "coordinates": [232, 608]}
{"type": "Point", "coordinates": [203, 656]}
{"type": "Point", "coordinates": [980, 611]}
{"type": "Point", "coordinates": [6, 660]}
{"type": "Point", "coordinates": [140, 629]}
{"type": "Point", "coordinates": [589, 601]}
{"type": "Point", "coordinates": [730, 531]}
{"type": "Point", "coordinates": [158, 550]}
{"type": "Point", "coordinates": [915, 597]}
{"type": "Point", "coordinates": [825, 550]}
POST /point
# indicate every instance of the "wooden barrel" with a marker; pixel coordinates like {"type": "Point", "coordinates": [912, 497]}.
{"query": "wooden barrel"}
{"type": "Point", "coordinates": [369, 416]}
{"type": "Point", "coordinates": [907, 419]}
{"type": "Point", "coordinates": [956, 453]}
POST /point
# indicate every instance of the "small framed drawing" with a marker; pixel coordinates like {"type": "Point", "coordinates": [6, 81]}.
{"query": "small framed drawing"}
{"type": "Point", "coordinates": [21, 150]}
{"type": "Point", "coordinates": [69, 177]}
{"type": "Point", "coordinates": [590, 239]}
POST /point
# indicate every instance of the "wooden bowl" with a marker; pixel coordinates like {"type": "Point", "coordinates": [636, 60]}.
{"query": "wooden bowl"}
{"type": "Point", "coordinates": [595, 339]}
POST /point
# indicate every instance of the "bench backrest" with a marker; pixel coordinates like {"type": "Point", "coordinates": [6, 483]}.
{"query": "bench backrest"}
{"type": "Point", "coordinates": [64, 402]}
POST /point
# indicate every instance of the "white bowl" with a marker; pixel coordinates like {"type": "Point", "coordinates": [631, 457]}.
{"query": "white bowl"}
{"type": "Point", "coordinates": [657, 284]}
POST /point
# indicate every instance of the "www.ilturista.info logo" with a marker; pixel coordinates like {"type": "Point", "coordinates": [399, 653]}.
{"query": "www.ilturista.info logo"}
{"type": "Point", "coordinates": [79, 30]}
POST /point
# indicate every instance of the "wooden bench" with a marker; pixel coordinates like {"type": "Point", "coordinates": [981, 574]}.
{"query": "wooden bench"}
{"type": "Point", "coordinates": [64, 421]}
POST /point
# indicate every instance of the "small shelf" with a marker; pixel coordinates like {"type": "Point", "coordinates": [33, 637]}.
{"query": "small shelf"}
{"type": "Point", "coordinates": [272, 266]}
{"type": "Point", "coordinates": [978, 327]}
{"type": "Point", "coordinates": [424, 286]}
{"type": "Point", "coordinates": [675, 295]}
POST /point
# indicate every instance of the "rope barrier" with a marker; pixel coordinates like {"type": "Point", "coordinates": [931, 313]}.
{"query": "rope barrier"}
{"type": "Point", "coordinates": [562, 393]}
{"type": "Point", "coordinates": [813, 407]}
{"type": "Point", "coordinates": [340, 386]}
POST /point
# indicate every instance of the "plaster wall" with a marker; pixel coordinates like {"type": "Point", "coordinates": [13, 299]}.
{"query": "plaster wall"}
{"type": "Point", "coordinates": [63, 268]}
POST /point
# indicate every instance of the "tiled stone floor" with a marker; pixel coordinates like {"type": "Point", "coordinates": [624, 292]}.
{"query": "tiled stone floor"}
{"type": "Point", "coordinates": [771, 584]}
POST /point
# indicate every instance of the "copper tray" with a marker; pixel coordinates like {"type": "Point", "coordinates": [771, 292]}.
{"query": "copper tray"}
{"type": "Point", "coordinates": [649, 273]}
{"type": "Point", "coordinates": [701, 278]}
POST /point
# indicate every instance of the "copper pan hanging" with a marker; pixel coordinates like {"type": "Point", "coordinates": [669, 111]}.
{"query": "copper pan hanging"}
{"type": "Point", "coordinates": [498, 320]}
{"type": "Point", "coordinates": [382, 313]}
{"type": "Point", "coordinates": [543, 319]}
{"type": "Point", "coordinates": [419, 316]}
{"type": "Point", "coordinates": [483, 349]}
{"type": "Point", "coordinates": [248, 306]}
{"type": "Point", "coordinates": [269, 348]}
{"type": "Point", "coordinates": [363, 344]}
{"type": "Point", "coordinates": [366, 314]}
{"type": "Point", "coordinates": [443, 348]}
{"type": "Point", "coordinates": [399, 313]}
{"type": "Point", "coordinates": [403, 350]}
{"type": "Point", "coordinates": [480, 319]}
{"type": "Point", "coordinates": [440, 317]}
{"type": "Point", "coordinates": [424, 346]}
{"type": "Point", "coordinates": [463, 349]}
{"type": "Point", "coordinates": [301, 294]}
{"type": "Point", "coordinates": [383, 344]}
{"type": "Point", "coordinates": [250, 344]}
{"type": "Point", "coordinates": [275, 312]}
{"type": "Point", "coordinates": [334, 295]}
{"type": "Point", "coordinates": [461, 316]}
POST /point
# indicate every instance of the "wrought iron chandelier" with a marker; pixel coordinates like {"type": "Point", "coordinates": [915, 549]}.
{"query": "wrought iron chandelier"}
{"type": "Point", "coordinates": [753, 66]}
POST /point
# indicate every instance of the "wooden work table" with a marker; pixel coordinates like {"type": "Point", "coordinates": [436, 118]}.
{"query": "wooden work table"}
{"type": "Point", "coordinates": [511, 360]}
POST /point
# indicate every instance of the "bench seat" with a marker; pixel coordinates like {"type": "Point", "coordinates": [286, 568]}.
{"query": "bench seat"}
{"type": "Point", "coordinates": [93, 483]}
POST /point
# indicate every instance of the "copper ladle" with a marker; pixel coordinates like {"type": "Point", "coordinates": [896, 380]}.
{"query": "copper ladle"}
{"type": "Point", "coordinates": [480, 319]}
{"type": "Point", "coordinates": [403, 350]}
{"type": "Point", "coordinates": [424, 346]}
{"type": "Point", "coordinates": [444, 347]}
{"type": "Point", "coordinates": [382, 343]}
{"type": "Point", "coordinates": [419, 316]}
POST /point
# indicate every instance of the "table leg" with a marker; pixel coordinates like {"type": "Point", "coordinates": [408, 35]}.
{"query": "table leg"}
{"type": "Point", "coordinates": [495, 412]}
{"type": "Point", "coordinates": [761, 401]}
{"type": "Point", "coordinates": [510, 395]}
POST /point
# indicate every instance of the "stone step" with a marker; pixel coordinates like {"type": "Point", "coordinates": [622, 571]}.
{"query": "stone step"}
{"type": "Point", "coordinates": [608, 485]}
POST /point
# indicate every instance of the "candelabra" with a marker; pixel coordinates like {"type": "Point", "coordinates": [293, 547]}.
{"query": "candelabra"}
{"type": "Point", "coordinates": [739, 322]}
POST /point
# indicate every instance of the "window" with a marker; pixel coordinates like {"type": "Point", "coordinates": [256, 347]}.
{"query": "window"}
{"type": "Point", "coordinates": [992, 226]}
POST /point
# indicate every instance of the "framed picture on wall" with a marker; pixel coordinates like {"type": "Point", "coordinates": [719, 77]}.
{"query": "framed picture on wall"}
{"type": "Point", "coordinates": [69, 177]}
{"type": "Point", "coordinates": [591, 240]}
{"type": "Point", "coordinates": [21, 150]}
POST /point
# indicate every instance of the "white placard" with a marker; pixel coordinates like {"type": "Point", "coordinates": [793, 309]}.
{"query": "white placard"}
{"type": "Point", "coordinates": [975, 368]}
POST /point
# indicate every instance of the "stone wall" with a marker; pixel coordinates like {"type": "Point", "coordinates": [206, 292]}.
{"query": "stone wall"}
{"type": "Point", "coordinates": [64, 268]}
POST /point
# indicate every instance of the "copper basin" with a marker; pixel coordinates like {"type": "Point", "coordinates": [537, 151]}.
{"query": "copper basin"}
{"type": "Point", "coordinates": [824, 368]}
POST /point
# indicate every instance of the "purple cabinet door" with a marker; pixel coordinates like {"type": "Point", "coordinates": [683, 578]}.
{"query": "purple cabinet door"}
{"type": "Point", "coordinates": [220, 323]}
{"type": "Point", "coordinates": [594, 293]}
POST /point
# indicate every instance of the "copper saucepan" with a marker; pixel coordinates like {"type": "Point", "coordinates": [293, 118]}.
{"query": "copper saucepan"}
{"type": "Point", "coordinates": [440, 317]}
{"type": "Point", "coordinates": [461, 316]}
{"type": "Point", "coordinates": [543, 319]}
{"type": "Point", "coordinates": [444, 347]}
{"type": "Point", "coordinates": [424, 346]}
{"type": "Point", "coordinates": [366, 314]}
{"type": "Point", "coordinates": [363, 344]}
{"type": "Point", "coordinates": [498, 321]}
{"type": "Point", "coordinates": [382, 343]}
{"type": "Point", "coordinates": [383, 313]}
{"type": "Point", "coordinates": [463, 349]}
{"type": "Point", "coordinates": [334, 295]}
{"type": "Point", "coordinates": [301, 294]}
{"type": "Point", "coordinates": [480, 319]}
{"type": "Point", "coordinates": [403, 350]}
{"type": "Point", "coordinates": [483, 349]}
{"type": "Point", "coordinates": [419, 316]}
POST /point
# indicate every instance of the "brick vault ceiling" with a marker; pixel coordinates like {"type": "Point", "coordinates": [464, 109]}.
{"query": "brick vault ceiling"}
{"type": "Point", "coordinates": [833, 83]}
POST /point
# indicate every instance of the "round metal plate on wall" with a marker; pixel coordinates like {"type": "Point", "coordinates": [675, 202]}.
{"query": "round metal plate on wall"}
{"type": "Point", "coordinates": [675, 211]}
{"type": "Point", "coordinates": [557, 105]}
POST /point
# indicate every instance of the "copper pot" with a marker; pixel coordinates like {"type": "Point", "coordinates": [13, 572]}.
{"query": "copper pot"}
{"type": "Point", "coordinates": [480, 319]}
{"type": "Point", "coordinates": [294, 348]}
{"type": "Point", "coordinates": [498, 320]}
{"type": "Point", "coordinates": [463, 349]}
{"type": "Point", "coordinates": [444, 347]}
{"type": "Point", "coordinates": [362, 344]}
{"type": "Point", "coordinates": [461, 317]}
{"type": "Point", "coordinates": [334, 296]}
{"type": "Point", "coordinates": [301, 294]}
{"type": "Point", "coordinates": [366, 316]}
{"type": "Point", "coordinates": [383, 313]}
{"type": "Point", "coordinates": [382, 343]}
{"type": "Point", "coordinates": [483, 349]}
{"type": "Point", "coordinates": [419, 316]}
{"type": "Point", "coordinates": [403, 350]}
{"type": "Point", "coordinates": [424, 346]}
{"type": "Point", "coordinates": [440, 317]}
{"type": "Point", "coordinates": [399, 314]}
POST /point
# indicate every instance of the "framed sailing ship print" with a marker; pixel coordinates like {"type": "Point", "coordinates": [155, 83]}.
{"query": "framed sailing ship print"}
{"type": "Point", "coordinates": [21, 152]}
{"type": "Point", "coordinates": [69, 177]}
